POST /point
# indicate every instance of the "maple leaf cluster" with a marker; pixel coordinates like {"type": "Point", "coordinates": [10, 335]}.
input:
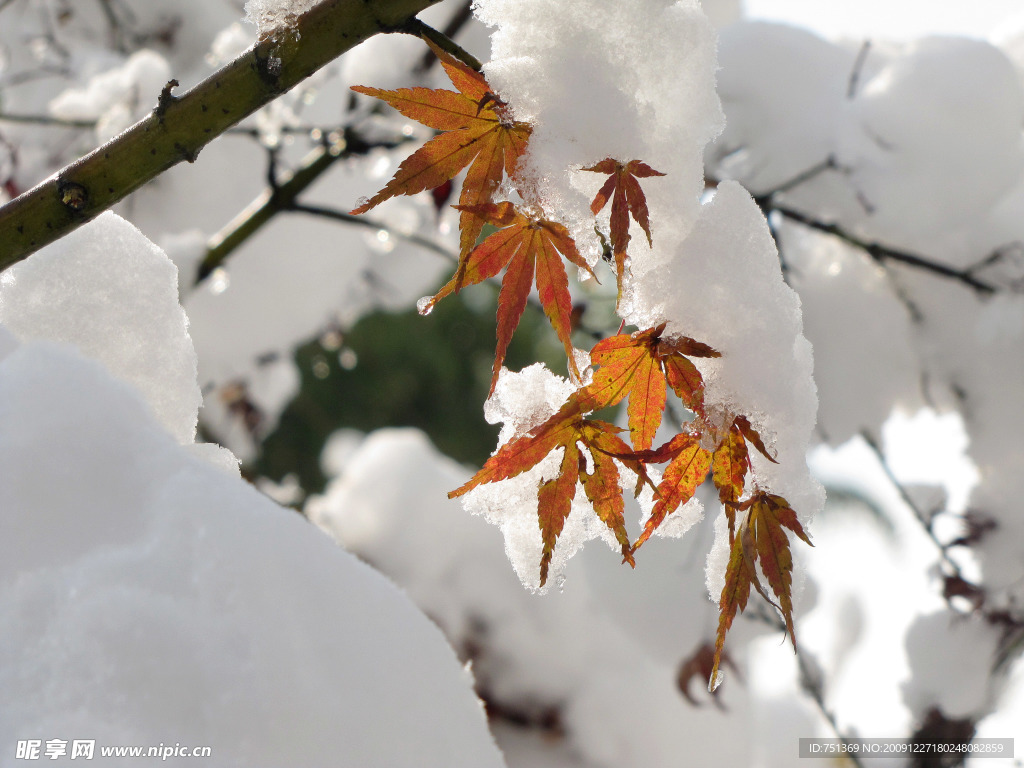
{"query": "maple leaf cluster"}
{"type": "Point", "coordinates": [477, 130]}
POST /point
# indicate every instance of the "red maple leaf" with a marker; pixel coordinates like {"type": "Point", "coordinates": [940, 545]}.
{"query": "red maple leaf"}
{"type": "Point", "coordinates": [530, 250]}
{"type": "Point", "coordinates": [623, 189]}
{"type": "Point", "coordinates": [478, 132]}
{"type": "Point", "coordinates": [761, 538]}
{"type": "Point", "coordinates": [568, 430]}
{"type": "Point", "coordinates": [688, 466]}
{"type": "Point", "coordinates": [641, 365]}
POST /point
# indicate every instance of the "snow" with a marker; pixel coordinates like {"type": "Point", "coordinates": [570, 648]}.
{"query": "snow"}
{"type": "Point", "coordinates": [270, 16]}
{"type": "Point", "coordinates": [634, 82]}
{"type": "Point", "coordinates": [710, 266]}
{"type": "Point", "coordinates": [601, 653]}
{"type": "Point", "coordinates": [863, 335]}
{"type": "Point", "coordinates": [904, 144]}
{"type": "Point", "coordinates": [112, 294]}
{"type": "Point", "coordinates": [149, 595]}
{"type": "Point", "coordinates": [143, 554]}
{"type": "Point", "coordinates": [709, 290]}
{"type": "Point", "coordinates": [764, 81]}
{"type": "Point", "coordinates": [932, 641]}
{"type": "Point", "coordinates": [118, 97]}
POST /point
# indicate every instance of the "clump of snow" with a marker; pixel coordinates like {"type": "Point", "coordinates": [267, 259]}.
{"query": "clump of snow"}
{"type": "Point", "coordinates": [959, 689]}
{"type": "Point", "coordinates": [918, 164]}
{"type": "Point", "coordinates": [525, 399]}
{"type": "Point", "coordinates": [111, 293]}
{"type": "Point", "coordinates": [271, 15]}
{"type": "Point", "coordinates": [230, 43]}
{"type": "Point", "coordinates": [118, 97]}
{"type": "Point", "coordinates": [865, 357]}
{"type": "Point", "coordinates": [612, 632]}
{"type": "Point", "coordinates": [724, 287]}
{"type": "Point", "coordinates": [637, 82]}
{"type": "Point", "coordinates": [628, 81]}
{"type": "Point", "coordinates": [148, 594]}
{"type": "Point", "coordinates": [783, 91]}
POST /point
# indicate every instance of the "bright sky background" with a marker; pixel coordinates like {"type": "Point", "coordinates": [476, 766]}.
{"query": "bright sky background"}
{"type": "Point", "coordinates": [891, 19]}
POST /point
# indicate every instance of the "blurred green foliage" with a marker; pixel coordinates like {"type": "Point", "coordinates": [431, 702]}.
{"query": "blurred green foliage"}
{"type": "Point", "coordinates": [401, 369]}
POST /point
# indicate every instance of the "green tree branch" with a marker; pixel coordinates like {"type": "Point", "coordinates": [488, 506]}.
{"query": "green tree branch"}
{"type": "Point", "coordinates": [180, 126]}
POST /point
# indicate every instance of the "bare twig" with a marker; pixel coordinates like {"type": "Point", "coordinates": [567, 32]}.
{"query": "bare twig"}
{"type": "Point", "coordinates": [442, 41]}
{"type": "Point", "coordinates": [882, 253]}
{"type": "Point", "coordinates": [451, 29]}
{"type": "Point", "coordinates": [282, 195]}
{"type": "Point", "coordinates": [858, 68]}
{"type": "Point", "coordinates": [46, 120]}
{"type": "Point", "coordinates": [362, 221]}
{"type": "Point", "coordinates": [810, 682]}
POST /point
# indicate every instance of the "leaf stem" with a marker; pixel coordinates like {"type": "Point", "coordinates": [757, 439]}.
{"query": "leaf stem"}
{"type": "Point", "coordinates": [442, 41]}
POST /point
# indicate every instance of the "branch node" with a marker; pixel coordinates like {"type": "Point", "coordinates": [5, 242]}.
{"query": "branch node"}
{"type": "Point", "coordinates": [189, 155]}
{"type": "Point", "coordinates": [165, 99]}
{"type": "Point", "coordinates": [268, 67]}
{"type": "Point", "coordinates": [73, 196]}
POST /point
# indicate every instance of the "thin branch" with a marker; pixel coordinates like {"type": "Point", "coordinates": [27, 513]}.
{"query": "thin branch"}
{"type": "Point", "coordinates": [881, 253]}
{"type": "Point", "coordinates": [362, 221]}
{"type": "Point", "coordinates": [57, 122]}
{"type": "Point", "coordinates": [858, 68]}
{"type": "Point", "coordinates": [281, 195]}
{"type": "Point", "coordinates": [442, 41]}
{"type": "Point", "coordinates": [46, 120]}
{"type": "Point", "coordinates": [919, 515]}
{"type": "Point", "coordinates": [451, 29]}
{"type": "Point", "coordinates": [810, 682]}
{"type": "Point", "coordinates": [179, 128]}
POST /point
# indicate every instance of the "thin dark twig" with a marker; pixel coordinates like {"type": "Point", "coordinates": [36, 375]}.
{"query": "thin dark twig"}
{"type": "Point", "coordinates": [810, 683]}
{"type": "Point", "coordinates": [828, 164]}
{"type": "Point", "coordinates": [362, 221]}
{"type": "Point", "coordinates": [858, 67]}
{"type": "Point", "coordinates": [451, 29]}
{"type": "Point", "coordinates": [55, 122]}
{"type": "Point", "coordinates": [50, 121]}
{"type": "Point", "coordinates": [921, 517]}
{"type": "Point", "coordinates": [426, 32]}
{"type": "Point", "coordinates": [882, 254]}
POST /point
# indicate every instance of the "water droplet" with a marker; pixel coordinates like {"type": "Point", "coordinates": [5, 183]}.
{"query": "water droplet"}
{"type": "Point", "coordinates": [219, 281]}
{"type": "Point", "coordinates": [380, 168]}
{"type": "Point", "coordinates": [348, 359]}
{"type": "Point", "coordinates": [321, 369]}
{"type": "Point", "coordinates": [423, 306]}
{"type": "Point", "coordinates": [332, 339]}
{"type": "Point", "coordinates": [716, 681]}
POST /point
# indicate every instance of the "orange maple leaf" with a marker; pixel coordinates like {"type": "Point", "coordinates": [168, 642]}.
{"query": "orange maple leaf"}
{"type": "Point", "coordinates": [730, 463]}
{"type": "Point", "coordinates": [743, 424]}
{"type": "Point", "coordinates": [528, 249]}
{"type": "Point", "coordinates": [686, 471]}
{"type": "Point", "coordinates": [623, 189]}
{"type": "Point", "coordinates": [739, 575]}
{"type": "Point", "coordinates": [729, 470]}
{"type": "Point", "coordinates": [567, 429]}
{"type": "Point", "coordinates": [479, 132]}
{"type": "Point", "coordinates": [641, 365]}
{"type": "Point", "coordinates": [761, 538]}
